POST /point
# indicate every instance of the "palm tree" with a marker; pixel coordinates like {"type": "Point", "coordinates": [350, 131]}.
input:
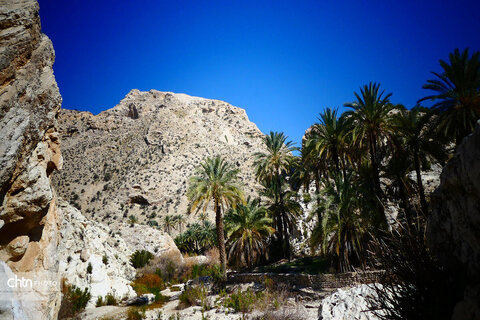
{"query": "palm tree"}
{"type": "Point", "coordinates": [248, 228]}
{"type": "Point", "coordinates": [284, 213]}
{"type": "Point", "coordinates": [370, 122]}
{"type": "Point", "coordinates": [457, 94]}
{"type": "Point", "coordinates": [180, 221]}
{"type": "Point", "coordinates": [203, 216]}
{"type": "Point", "coordinates": [419, 145]}
{"type": "Point", "coordinates": [341, 230]}
{"type": "Point", "coordinates": [327, 138]}
{"type": "Point", "coordinates": [273, 166]}
{"type": "Point", "coordinates": [215, 181]}
{"type": "Point", "coordinates": [168, 223]}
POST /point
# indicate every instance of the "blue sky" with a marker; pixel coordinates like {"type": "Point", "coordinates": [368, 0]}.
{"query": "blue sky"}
{"type": "Point", "coordinates": [282, 61]}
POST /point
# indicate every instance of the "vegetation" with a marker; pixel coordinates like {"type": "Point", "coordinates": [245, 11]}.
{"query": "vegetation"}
{"type": "Point", "coordinates": [248, 228]}
{"type": "Point", "coordinates": [272, 169]}
{"type": "Point", "coordinates": [140, 258]}
{"type": "Point", "coordinates": [198, 238]}
{"type": "Point", "coordinates": [74, 300]}
{"type": "Point", "coordinates": [215, 181]}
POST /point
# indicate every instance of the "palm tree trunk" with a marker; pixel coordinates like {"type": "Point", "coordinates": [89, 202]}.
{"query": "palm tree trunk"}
{"type": "Point", "coordinates": [221, 239]}
{"type": "Point", "coordinates": [376, 177]}
{"type": "Point", "coordinates": [284, 231]}
{"type": "Point", "coordinates": [421, 190]}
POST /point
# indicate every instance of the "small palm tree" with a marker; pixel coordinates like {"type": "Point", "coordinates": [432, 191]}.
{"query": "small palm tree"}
{"type": "Point", "coordinates": [215, 181]}
{"type": "Point", "coordinates": [168, 223]}
{"type": "Point", "coordinates": [248, 228]}
{"type": "Point", "coordinates": [342, 228]}
{"type": "Point", "coordinates": [457, 94]}
{"type": "Point", "coordinates": [180, 221]}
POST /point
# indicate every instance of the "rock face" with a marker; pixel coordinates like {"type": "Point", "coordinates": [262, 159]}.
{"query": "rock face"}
{"type": "Point", "coordinates": [87, 242]}
{"type": "Point", "coordinates": [136, 158]}
{"type": "Point", "coordinates": [454, 223]}
{"type": "Point", "coordinates": [29, 153]}
{"type": "Point", "coordinates": [347, 304]}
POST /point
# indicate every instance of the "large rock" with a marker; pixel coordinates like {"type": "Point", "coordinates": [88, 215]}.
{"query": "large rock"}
{"type": "Point", "coordinates": [136, 158]}
{"type": "Point", "coordinates": [85, 242]}
{"type": "Point", "coordinates": [29, 153]}
{"type": "Point", "coordinates": [348, 303]}
{"type": "Point", "coordinates": [454, 222]}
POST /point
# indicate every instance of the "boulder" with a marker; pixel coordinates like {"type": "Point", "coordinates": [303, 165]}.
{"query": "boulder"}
{"type": "Point", "coordinates": [454, 222]}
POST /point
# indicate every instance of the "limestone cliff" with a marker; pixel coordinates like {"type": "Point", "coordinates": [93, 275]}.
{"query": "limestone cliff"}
{"type": "Point", "coordinates": [454, 223]}
{"type": "Point", "coordinates": [29, 153]}
{"type": "Point", "coordinates": [136, 158]}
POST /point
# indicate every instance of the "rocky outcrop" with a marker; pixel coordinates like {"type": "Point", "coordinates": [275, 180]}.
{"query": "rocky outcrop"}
{"type": "Point", "coordinates": [84, 243]}
{"type": "Point", "coordinates": [349, 303]}
{"type": "Point", "coordinates": [136, 158]}
{"type": "Point", "coordinates": [454, 222]}
{"type": "Point", "coordinates": [29, 153]}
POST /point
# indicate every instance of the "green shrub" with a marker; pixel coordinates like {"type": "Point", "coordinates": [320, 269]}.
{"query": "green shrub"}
{"type": "Point", "coordinates": [100, 302]}
{"type": "Point", "coordinates": [193, 296]}
{"type": "Point", "coordinates": [89, 268]}
{"type": "Point", "coordinates": [140, 258]}
{"type": "Point", "coordinates": [105, 259]}
{"type": "Point", "coordinates": [241, 301]}
{"type": "Point", "coordinates": [110, 300]}
{"type": "Point", "coordinates": [78, 298]}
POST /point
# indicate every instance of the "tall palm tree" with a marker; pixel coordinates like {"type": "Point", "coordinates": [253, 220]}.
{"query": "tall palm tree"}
{"type": "Point", "coordinates": [327, 138]}
{"type": "Point", "coordinates": [457, 94]}
{"type": "Point", "coordinates": [370, 122]}
{"type": "Point", "coordinates": [419, 145]}
{"type": "Point", "coordinates": [168, 223]}
{"type": "Point", "coordinates": [215, 181]}
{"type": "Point", "coordinates": [273, 166]}
{"type": "Point", "coordinates": [248, 228]}
{"type": "Point", "coordinates": [342, 229]}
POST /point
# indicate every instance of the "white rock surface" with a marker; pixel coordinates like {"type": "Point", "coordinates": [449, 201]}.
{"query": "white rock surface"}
{"type": "Point", "coordinates": [347, 304]}
{"type": "Point", "coordinates": [83, 238]}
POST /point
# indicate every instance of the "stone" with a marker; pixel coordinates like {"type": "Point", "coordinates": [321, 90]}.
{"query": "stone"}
{"type": "Point", "coordinates": [29, 154]}
{"type": "Point", "coordinates": [454, 222]}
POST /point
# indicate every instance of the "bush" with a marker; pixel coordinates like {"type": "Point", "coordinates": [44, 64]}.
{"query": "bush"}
{"type": "Point", "coordinates": [135, 314]}
{"type": "Point", "coordinates": [89, 268]}
{"type": "Point", "coordinates": [100, 302]}
{"type": "Point", "coordinates": [148, 283]}
{"type": "Point", "coordinates": [105, 259]}
{"type": "Point", "coordinates": [140, 258]}
{"type": "Point", "coordinates": [241, 301]}
{"type": "Point", "coordinates": [194, 296]}
{"type": "Point", "coordinates": [110, 300]}
{"type": "Point", "coordinates": [77, 298]}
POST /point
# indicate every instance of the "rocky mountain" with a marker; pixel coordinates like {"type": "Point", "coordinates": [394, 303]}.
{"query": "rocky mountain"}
{"type": "Point", "coordinates": [29, 153]}
{"type": "Point", "coordinates": [136, 158]}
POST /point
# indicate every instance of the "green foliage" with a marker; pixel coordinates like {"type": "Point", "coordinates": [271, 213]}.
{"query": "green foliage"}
{"type": "Point", "coordinates": [193, 296]}
{"type": "Point", "coordinates": [77, 298]}
{"type": "Point", "coordinates": [241, 301]}
{"type": "Point", "coordinates": [248, 228]}
{"type": "Point", "coordinates": [99, 302]}
{"type": "Point", "coordinates": [89, 268]}
{"type": "Point", "coordinates": [140, 258]}
{"type": "Point", "coordinates": [110, 300]}
{"type": "Point", "coordinates": [105, 259]}
{"type": "Point", "coordinates": [457, 94]}
{"type": "Point", "coordinates": [198, 238]}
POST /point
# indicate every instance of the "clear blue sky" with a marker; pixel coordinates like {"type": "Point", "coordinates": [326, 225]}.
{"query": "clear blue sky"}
{"type": "Point", "coordinates": [282, 61]}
